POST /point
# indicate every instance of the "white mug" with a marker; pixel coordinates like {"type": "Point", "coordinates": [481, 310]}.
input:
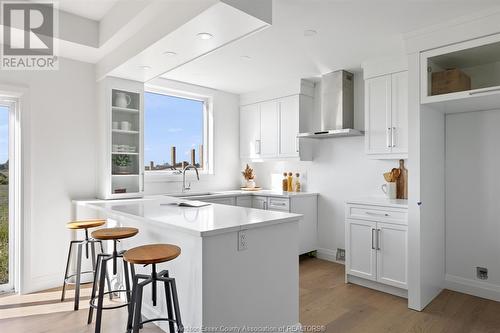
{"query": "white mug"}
{"type": "Point", "coordinates": [125, 125]}
{"type": "Point", "coordinates": [389, 189]}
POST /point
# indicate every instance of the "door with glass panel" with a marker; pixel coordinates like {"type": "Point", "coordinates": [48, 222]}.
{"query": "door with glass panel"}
{"type": "Point", "coordinates": [6, 220]}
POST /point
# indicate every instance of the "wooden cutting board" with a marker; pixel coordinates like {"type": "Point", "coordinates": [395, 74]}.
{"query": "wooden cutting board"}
{"type": "Point", "coordinates": [402, 182]}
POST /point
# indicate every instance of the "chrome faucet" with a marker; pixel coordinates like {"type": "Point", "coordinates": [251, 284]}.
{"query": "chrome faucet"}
{"type": "Point", "coordinates": [188, 187]}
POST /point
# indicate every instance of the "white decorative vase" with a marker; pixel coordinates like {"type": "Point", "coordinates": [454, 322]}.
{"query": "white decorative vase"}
{"type": "Point", "coordinates": [250, 183]}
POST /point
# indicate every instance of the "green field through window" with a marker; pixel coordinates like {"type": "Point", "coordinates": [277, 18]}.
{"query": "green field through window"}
{"type": "Point", "coordinates": [4, 195]}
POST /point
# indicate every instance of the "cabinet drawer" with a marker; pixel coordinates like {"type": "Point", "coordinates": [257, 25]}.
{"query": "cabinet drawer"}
{"type": "Point", "coordinates": [377, 213]}
{"type": "Point", "coordinates": [279, 204]}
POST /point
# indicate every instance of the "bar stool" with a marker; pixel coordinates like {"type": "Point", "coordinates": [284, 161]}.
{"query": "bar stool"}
{"type": "Point", "coordinates": [114, 234]}
{"type": "Point", "coordinates": [79, 225]}
{"type": "Point", "coordinates": [152, 255]}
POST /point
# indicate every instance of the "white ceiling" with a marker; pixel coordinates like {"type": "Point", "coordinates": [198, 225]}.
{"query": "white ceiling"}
{"type": "Point", "coordinates": [91, 9]}
{"type": "Point", "coordinates": [349, 32]}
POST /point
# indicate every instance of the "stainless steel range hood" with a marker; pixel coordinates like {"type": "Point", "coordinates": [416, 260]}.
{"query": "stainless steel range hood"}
{"type": "Point", "coordinates": [337, 107]}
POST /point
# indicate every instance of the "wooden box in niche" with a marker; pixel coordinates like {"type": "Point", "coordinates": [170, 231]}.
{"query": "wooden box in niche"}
{"type": "Point", "coordinates": [449, 81]}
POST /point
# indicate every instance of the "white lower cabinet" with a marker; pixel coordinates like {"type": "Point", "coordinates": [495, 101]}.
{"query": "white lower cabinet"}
{"type": "Point", "coordinates": [377, 250]}
{"type": "Point", "coordinates": [230, 201]}
{"type": "Point", "coordinates": [360, 250]}
{"type": "Point", "coordinates": [392, 254]}
{"type": "Point", "coordinates": [244, 201]}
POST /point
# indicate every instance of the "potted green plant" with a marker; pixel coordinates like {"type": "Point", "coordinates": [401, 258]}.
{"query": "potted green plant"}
{"type": "Point", "coordinates": [122, 163]}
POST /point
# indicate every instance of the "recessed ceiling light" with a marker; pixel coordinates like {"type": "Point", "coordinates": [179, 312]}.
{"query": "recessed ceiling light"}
{"type": "Point", "coordinates": [310, 32]}
{"type": "Point", "coordinates": [169, 53]}
{"type": "Point", "coordinates": [204, 35]}
{"type": "Point", "coordinates": [245, 57]}
{"type": "Point", "coordinates": [145, 67]}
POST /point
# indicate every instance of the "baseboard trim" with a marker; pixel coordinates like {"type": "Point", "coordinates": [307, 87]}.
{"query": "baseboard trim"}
{"type": "Point", "coordinates": [472, 287]}
{"type": "Point", "coordinates": [328, 255]}
{"type": "Point", "coordinates": [377, 286]}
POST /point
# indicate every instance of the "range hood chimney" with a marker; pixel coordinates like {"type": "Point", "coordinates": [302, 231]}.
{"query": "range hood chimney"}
{"type": "Point", "coordinates": [337, 107]}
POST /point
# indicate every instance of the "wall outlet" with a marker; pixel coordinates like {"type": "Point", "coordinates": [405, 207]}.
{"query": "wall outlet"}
{"type": "Point", "coordinates": [482, 273]}
{"type": "Point", "coordinates": [242, 240]}
{"type": "Point", "coordinates": [340, 255]}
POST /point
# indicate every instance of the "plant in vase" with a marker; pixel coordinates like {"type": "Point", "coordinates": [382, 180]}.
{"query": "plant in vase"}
{"type": "Point", "coordinates": [249, 176]}
{"type": "Point", "coordinates": [122, 163]}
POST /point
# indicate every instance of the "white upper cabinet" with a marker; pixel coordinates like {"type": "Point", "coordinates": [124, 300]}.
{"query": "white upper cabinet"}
{"type": "Point", "coordinates": [250, 131]}
{"type": "Point", "coordinates": [386, 113]}
{"type": "Point", "coordinates": [268, 130]}
{"type": "Point", "coordinates": [399, 112]}
{"type": "Point", "coordinates": [462, 77]}
{"type": "Point", "coordinates": [378, 115]}
{"type": "Point", "coordinates": [289, 126]}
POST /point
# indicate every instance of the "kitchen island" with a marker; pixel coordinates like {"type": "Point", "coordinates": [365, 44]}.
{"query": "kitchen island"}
{"type": "Point", "coordinates": [223, 283]}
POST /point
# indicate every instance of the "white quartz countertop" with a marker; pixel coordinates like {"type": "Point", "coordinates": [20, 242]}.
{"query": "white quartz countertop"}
{"type": "Point", "coordinates": [202, 221]}
{"type": "Point", "coordinates": [380, 201]}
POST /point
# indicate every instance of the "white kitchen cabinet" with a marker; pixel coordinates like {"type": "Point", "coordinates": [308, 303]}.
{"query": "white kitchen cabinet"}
{"type": "Point", "coordinates": [269, 129]}
{"type": "Point", "coordinates": [230, 201]}
{"type": "Point", "coordinates": [386, 116]}
{"type": "Point", "coordinates": [391, 254]}
{"type": "Point", "coordinates": [376, 239]}
{"type": "Point", "coordinates": [360, 249]}
{"type": "Point", "coordinates": [259, 202]}
{"type": "Point", "coordinates": [250, 131]}
{"type": "Point", "coordinates": [244, 201]}
{"type": "Point", "coordinates": [378, 115]}
{"type": "Point", "coordinates": [121, 131]}
{"type": "Point", "coordinates": [289, 126]}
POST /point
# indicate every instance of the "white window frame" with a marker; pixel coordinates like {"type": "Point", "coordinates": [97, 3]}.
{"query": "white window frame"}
{"type": "Point", "coordinates": [208, 154]}
{"type": "Point", "coordinates": [14, 191]}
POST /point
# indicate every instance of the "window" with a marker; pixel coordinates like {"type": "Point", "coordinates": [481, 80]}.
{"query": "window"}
{"type": "Point", "coordinates": [175, 132]}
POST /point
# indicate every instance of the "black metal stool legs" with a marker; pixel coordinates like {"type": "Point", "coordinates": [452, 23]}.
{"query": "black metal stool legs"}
{"type": "Point", "coordinates": [77, 275]}
{"type": "Point", "coordinates": [135, 322]}
{"type": "Point", "coordinates": [98, 291]}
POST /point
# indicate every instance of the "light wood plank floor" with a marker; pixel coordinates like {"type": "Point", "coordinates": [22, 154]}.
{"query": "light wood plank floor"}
{"type": "Point", "coordinates": [324, 300]}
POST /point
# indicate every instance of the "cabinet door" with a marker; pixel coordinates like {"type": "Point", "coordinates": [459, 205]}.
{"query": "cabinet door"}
{"type": "Point", "coordinates": [259, 202]}
{"type": "Point", "coordinates": [399, 113]}
{"type": "Point", "coordinates": [360, 249]}
{"type": "Point", "coordinates": [378, 115]}
{"type": "Point", "coordinates": [230, 201]}
{"type": "Point", "coordinates": [288, 126]}
{"type": "Point", "coordinates": [250, 131]}
{"type": "Point", "coordinates": [269, 129]}
{"type": "Point", "coordinates": [244, 201]}
{"type": "Point", "coordinates": [392, 255]}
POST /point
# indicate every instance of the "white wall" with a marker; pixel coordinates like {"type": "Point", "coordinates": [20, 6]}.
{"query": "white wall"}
{"type": "Point", "coordinates": [61, 162]}
{"type": "Point", "coordinates": [340, 171]}
{"type": "Point", "coordinates": [472, 197]}
{"type": "Point", "coordinates": [226, 143]}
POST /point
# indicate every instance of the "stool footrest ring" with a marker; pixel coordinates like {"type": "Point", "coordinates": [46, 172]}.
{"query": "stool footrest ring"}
{"type": "Point", "coordinates": [92, 300]}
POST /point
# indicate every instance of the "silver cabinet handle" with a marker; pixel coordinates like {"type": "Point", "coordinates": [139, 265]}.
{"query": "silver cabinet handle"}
{"type": "Point", "coordinates": [265, 205]}
{"type": "Point", "coordinates": [297, 145]}
{"type": "Point", "coordinates": [373, 243]}
{"type": "Point", "coordinates": [142, 182]}
{"type": "Point", "coordinates": [257, 146]}
{"type": "Point", "coordinates": [388, 137]}
{"type": "Point", "coordinates": [392, 136]}
{"type": "Point", "coordinates": [484, 91]}
{"type": "Point", "coordinates": [377, 214]}
{"type": "Point", "coordinates": [379, 233]}
{"type": "Point", "coordinates": [278, 204]}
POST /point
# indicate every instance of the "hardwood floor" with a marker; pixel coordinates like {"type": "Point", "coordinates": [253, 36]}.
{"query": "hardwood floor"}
{"type": "Point", "coordinates": [325, 300]}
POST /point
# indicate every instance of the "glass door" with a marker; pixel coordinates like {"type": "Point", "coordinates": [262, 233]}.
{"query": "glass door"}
{"type": "Point", "coordinates": [6, 223]}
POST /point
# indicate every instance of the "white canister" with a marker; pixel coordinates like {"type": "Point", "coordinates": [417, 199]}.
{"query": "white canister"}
{"type": "Point", "coordinates": [115, 125]}
{"type": "Point", "coordinates": [390, 190]}
{"type": "Point", "coordinates": [125, 126]}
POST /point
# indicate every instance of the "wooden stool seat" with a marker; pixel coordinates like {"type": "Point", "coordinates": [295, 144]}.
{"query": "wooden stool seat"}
{"type": "Point", "coordinates": [152, 254]}
{"type": "Point", "coordinates": [114, 233]}
{"type": "Point", "coordinates": [85, 224]}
